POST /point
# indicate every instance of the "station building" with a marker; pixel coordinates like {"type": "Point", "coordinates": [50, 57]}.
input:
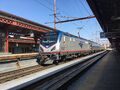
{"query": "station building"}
{"type": "Point", "coordinates": [18, 35]}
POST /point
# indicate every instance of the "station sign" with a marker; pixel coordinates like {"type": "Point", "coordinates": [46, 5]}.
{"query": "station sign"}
{"type": "Point", "coordinates": [102, 35]}
{"type": "Point", "coordinates": [109, 34]}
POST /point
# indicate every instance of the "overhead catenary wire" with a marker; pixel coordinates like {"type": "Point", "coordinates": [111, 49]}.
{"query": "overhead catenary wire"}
{"type": "Point", "coordinates": [46, 7]}
{"type": "Point", "coordinates": [52, 9]}
{"type": "Point", "coordinates": [77, 7]}
{"type": "Point", "coordinates": [48, 1]}
{"type": "Point", "coordinates": [37, 1]}
{"type": "Point", "coordinates": [84, 7]}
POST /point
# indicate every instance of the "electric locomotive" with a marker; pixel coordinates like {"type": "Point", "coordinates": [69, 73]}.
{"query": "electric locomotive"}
{"type": "Point", "coordinates": [56, 46]}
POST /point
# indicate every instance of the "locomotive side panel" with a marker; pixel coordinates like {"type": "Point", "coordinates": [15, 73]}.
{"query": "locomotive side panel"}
{"type": "Point", "coordinates": [69, 43]}
{"type": "Point", "coordinates": [96, 46]}
{"type": "Point", "coordinates": [60, 46]}
{"type": "Point", "coordinates": [85, 44]}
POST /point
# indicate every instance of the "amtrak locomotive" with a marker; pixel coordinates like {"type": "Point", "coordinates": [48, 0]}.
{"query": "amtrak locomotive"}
{"type": "Point", "coordinates": [57, 46]}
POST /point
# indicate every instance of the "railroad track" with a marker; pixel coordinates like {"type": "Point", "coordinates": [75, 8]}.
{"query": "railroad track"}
{"type": "Point", "coordinates": [11, 75]}
{"type": "Point", "coordinates": [7, 76]}
{"type": "Point", "coordinates": [58, 80]}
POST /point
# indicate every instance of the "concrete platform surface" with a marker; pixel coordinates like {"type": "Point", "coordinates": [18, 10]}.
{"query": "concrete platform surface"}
{"type": "Point", "coordinates": [105, 75]}
{"type": "Point", "coordinates": [10, 66]}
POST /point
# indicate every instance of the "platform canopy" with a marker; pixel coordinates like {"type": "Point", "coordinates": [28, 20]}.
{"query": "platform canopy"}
{"type": "Point", "coordinates": [16, 24]}
{"type": "Point", "coordinates": [107, 13]}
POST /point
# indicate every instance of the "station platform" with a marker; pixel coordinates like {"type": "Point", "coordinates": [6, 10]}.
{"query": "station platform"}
{"type": "Point", "coordinates": [2, 54]}
{"type": "Point", "coordinates": [104, 75]}
{"type": "Point", "coordinates": [10, 66]}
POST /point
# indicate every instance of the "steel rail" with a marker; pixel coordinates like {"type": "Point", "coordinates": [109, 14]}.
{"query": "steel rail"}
{"type": "Point", "coordinates": [11, 75]}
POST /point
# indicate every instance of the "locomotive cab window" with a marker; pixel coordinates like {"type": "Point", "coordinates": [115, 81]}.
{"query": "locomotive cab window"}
{"type": "Point", "coordinates": [49, 39]}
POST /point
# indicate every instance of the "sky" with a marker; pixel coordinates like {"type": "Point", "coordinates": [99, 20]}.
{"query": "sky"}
{"type": "Point", "coordinates": [41, 11]}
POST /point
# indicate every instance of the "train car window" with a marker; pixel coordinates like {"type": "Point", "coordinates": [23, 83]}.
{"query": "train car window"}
{"type": "Point", "coordinates": [64, 38]}
{"type": "Point", "coordinates": [70, 39]}
{"type": "Point", "coordinates": [73, 39]}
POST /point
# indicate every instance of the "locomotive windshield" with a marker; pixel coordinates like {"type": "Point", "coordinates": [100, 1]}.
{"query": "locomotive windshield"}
{"type": "Point", "coordinates": [49, 39]}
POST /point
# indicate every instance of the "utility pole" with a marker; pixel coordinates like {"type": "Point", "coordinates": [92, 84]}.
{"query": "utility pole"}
{"type": "Point", "coordinates": [54, 15]}
{"type": "Point", "coordinates": [80, 28]}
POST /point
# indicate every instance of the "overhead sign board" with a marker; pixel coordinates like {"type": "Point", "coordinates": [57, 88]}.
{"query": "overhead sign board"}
{"type": "Point", "coordinates": [102, 35]}
{"type": "Point", "coordinates": [109, 34]}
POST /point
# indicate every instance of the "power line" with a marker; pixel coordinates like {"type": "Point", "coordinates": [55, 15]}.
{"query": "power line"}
{"type": "Point", "coordinates": [48, 7]}
{"type": "Point", "coordinates": [37, 1]}
{"type": "Point", "coordinates": [84, 7]}
{"type": "Point", "coordinates": [78, 7]}
{"type": "Point", "coordinates": [44, 5]}
{"type": "Point", "coordinates": [66, 13]}
{"type": "Point", "coordinates": [49, 2]}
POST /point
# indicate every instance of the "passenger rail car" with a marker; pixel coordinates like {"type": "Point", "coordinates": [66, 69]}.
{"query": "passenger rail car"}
{"type": "Point", "coordinates": [56, 46]}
